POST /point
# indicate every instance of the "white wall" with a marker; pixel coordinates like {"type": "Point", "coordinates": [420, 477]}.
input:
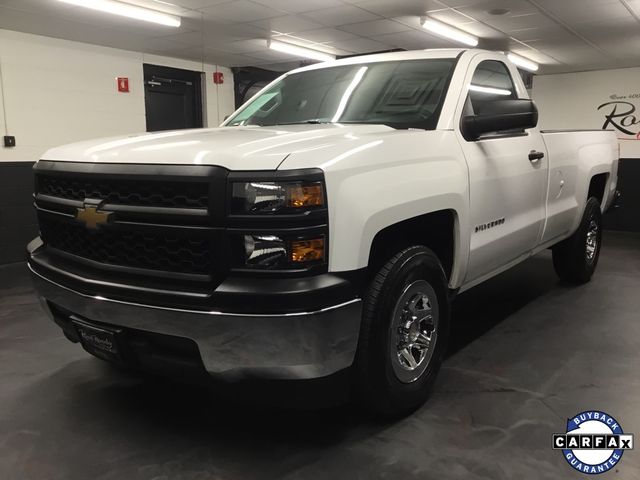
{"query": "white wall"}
{"type": "Point", "coordinates": [585, 99]}
{"type": "Point", "coordinates": [58, 91]}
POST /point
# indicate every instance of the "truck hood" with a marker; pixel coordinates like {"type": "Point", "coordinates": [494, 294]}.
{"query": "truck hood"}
{"type": "Point", "coordinates": [235, 148]}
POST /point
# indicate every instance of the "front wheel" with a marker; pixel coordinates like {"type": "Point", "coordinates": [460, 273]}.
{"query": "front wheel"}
{"type": "Point", "coordinates": [575, 258]}
{"type": "Point", "coordinates": [404, 332]}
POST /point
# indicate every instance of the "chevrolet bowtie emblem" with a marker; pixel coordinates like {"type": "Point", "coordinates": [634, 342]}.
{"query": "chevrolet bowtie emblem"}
{"type": "Point", "coordinates": [92, 217]}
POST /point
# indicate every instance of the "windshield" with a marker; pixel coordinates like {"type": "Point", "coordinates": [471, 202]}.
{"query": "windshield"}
{"type": "Point", "coordinates": [401, 94]}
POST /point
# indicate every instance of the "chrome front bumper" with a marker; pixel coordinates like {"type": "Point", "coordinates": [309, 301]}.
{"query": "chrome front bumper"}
{"type": "Point", "coordinates": [232, 346]}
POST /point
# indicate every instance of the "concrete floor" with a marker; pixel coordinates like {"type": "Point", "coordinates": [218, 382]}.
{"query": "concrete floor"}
{"type": "Point", "coordinates": [527, 353]}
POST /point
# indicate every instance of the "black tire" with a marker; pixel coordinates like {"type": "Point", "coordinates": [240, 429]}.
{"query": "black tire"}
{"type": "Point", "coordinates": [377, 378]}
{"type": "Point", "coordinates": [573, 259]}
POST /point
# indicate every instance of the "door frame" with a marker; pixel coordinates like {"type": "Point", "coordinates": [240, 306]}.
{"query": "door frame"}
{"type": "Point", "coordinates": [150, 71]}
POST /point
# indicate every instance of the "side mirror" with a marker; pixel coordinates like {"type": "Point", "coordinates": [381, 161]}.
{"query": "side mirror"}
{"type": "Point", "coordinates": [499, 116]}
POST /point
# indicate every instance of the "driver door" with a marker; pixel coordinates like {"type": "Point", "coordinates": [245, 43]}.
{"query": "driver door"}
{"type": "Point", "coordinates": [506, 188]}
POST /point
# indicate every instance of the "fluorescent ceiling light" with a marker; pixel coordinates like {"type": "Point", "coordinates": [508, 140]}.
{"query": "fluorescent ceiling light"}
{"type": "Point", "coordinates": [522, 62]}
{"type": "Point", "coordinates": [491, 90]}
{"type": "Point", "coordinates": [128, 10]}
{"type": "Point", "coordinates": [447, 31]}
{"type": "Point", "coordinates": [299, 51]}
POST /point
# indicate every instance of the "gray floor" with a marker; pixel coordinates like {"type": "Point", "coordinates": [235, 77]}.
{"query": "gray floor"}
{"type": "Point", "coordinates": [527, 353]}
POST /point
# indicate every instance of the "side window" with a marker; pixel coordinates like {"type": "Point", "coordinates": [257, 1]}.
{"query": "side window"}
{"type": "Point", "coordinates": [491, 81]}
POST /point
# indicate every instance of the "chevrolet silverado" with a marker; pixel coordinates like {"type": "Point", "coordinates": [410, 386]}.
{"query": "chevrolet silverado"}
{"type": "Point", "coordinates": [325, 227]}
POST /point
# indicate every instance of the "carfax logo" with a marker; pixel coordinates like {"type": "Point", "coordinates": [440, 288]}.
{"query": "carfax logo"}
{"type": "Point", "coordinates": [594, 442]}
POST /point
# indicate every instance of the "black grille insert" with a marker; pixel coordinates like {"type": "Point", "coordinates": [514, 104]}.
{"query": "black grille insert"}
{"type": "Point", "coordinates": [166, 194]}
{"type": "Point", "coordinates": [183, 251]}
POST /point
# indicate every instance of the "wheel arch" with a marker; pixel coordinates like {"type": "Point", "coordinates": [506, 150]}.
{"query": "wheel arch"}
{"type": "Point", "coordinates": [596, 166]}
{"type": "Point", "coordinates": [438, 230]}
{"type": "Point", "coordinates": [597, 187]}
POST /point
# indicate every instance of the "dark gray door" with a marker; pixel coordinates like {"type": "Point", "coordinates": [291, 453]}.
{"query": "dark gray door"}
{"type": "Point", "coordinates": [172, 97]}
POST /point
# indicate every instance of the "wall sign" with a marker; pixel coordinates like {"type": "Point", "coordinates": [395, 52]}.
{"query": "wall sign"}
{"type": "Point", "coordinates": [602, 99]}
{"type": "Point", "coordinates": [123, 84]}
{"type": "Point", "coordinates": [620, 114]}
{"type": "Point", "coordinates": [218, 78]}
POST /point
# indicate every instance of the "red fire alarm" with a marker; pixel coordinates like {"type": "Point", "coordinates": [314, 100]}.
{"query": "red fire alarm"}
{"type": "Point", "coordinates": [123, 84]}
{"type": "Point", "coordinates": [218, 78]}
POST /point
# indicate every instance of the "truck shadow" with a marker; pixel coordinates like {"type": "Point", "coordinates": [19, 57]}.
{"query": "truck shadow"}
{"type": "Point", "coordinates": [480, 309]}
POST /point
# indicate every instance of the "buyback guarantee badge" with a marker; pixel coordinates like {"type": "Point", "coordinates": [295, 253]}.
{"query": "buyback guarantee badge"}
{"type": "Point", "coordinates": [593, 443]}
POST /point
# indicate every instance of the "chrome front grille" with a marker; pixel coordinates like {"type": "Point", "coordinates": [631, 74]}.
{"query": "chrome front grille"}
{"type": "Point", "coordinates": [160, 218]}
{"type": "Point", "coordinates": [146, 193]}
{"type": "Point", "coordinates": [170, 251]}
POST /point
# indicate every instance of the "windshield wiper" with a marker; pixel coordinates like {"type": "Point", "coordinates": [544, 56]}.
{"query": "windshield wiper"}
{"type": "Point", "coordinates": [314, 121]}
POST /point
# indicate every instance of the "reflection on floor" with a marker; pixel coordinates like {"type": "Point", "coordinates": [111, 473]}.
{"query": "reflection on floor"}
{"type": "Point", "coordinates": [527, 352]}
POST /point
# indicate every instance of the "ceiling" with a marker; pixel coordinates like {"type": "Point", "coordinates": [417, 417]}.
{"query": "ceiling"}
{"type": "Point", "coordinates": [561, 35]}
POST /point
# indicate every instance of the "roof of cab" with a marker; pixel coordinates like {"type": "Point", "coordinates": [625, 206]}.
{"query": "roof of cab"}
{"type": "Point", "coordinates": [387, 57]}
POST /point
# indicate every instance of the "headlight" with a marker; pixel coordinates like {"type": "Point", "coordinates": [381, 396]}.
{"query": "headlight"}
{"type": "Point", "coordinates": [278, 221]}
{"type": "Point", "coordinates": [276, 197]}
{"type": "Point", "coordinates": [271, 252]}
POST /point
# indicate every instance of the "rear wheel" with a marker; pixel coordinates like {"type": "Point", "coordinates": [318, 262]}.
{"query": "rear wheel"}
{"type": "Point", "coordinates": [575, 259]}
{"type": "Point", "coordinates": [404, 332]}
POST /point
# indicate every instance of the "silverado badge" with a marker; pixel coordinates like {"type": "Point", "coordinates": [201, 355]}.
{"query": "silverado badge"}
{"type": "Point", "coordinates": [92, 217]}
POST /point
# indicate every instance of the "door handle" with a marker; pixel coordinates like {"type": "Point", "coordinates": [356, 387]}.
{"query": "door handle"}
{"type": "Point", "coordinates": [535, 157]}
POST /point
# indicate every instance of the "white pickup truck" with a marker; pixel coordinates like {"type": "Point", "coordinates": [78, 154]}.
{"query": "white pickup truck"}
{"type": "Point", "coordinates": [323, 228]}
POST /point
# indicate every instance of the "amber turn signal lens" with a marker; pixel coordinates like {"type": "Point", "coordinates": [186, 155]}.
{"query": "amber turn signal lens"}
{"type": "Point", "coordinates": [307, 250]}
{"type": "Point", "coordinates": [299, 195]}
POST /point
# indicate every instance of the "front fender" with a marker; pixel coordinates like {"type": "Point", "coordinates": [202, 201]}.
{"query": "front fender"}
{"type": "Point", "coordinates": [402, 177]}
